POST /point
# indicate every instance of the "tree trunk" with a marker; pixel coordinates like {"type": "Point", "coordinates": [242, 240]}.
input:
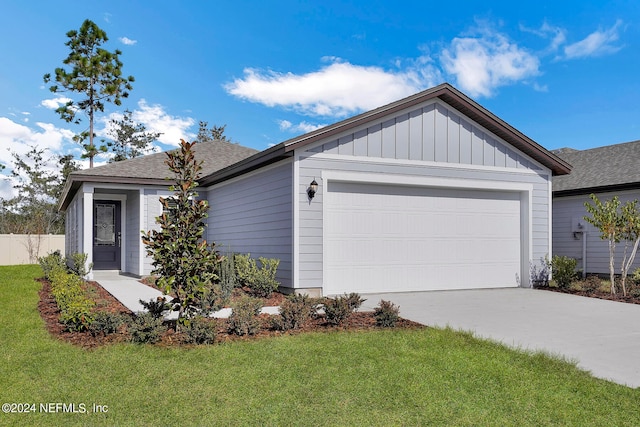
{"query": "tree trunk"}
{"type": "Point", "coordinates": [612, 271]}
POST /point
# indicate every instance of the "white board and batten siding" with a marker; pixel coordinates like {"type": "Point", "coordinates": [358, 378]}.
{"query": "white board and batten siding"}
{"type": "Point", "coordinates": [426, 199]}
{"type": "Point", "coordinates": [568, 210]}
{"type": "Point", "coordinates": [253, 214]}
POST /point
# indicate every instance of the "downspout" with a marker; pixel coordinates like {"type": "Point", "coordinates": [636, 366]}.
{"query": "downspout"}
{"type": "Point", "coordinates": [584, 254]}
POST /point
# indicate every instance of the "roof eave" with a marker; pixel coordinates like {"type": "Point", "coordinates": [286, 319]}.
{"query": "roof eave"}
{"type": "Point", "coordinates": [75, 181]}
{"type": "Point", "coordinates": [598, 189]}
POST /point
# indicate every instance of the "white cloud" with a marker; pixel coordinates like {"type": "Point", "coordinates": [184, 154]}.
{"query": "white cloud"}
{"type": "Point", "coordinates": [19, 139]}
{"type": "Point", "coordinates": [156, 119]}
{"type": "Point", "coordinates": [303, 127]}
{"type": "Point", "coordinates": [481, 64]}
{"type": "Point", "coordinates": [127, 41]}
{"type": "Point", "coordinates": [335, 90]}
{"type": "Point", "coordinates": [601, 42]}
{"type": "Point", "coordinates": [54, 103]}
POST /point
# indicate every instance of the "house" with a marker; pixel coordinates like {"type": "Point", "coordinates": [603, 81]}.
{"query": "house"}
{"type": "Point", "coordinates": [606, 172]}
{"type": "Point", "coordinates": [429, 192]}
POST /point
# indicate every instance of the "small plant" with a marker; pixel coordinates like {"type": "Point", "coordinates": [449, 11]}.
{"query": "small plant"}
{"type": "Point", "coordinates": [146, 329]}
{"type": "Point", "coordinates": [77, 316]}
{"type": "Point", "coordinates": [106, 323]}
{"type": "Point", "coordinates": [244, 317]}
{"type": "Point", "coordinates": [539, 273]}
{"type": "Point", "coordinates": [261, 281]}
{"type": "Point", "coordinates": [295, 311]}
{"type": "Point", "coordinates": [158, 307]}
{"type": "Point", "coordinates": [386, 314]}
{"type": "Point", "coordinates": [563, 269]}
{"type": "Point", "coordinates": [78, 264]}
{"type": "Point", "coordinates": [591, 284]}
{"type": "Point", "coordinates": [337, 310]}
{"type": "Point", "coordinates": [51, 264]}
{"type": "Point", "coordinates": [354, 301]}
{"type": "Point", "coordinates": [227, 276]}
{"type": "Point", "coordinates": [201, 330]}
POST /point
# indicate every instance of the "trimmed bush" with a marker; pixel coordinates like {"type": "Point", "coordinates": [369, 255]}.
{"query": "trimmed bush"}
{"type": "Point", "coordinates": [146, 329]}
{"type": "Point", "coordinates": [563, 270]}
{"type": "Point", "coordinates": [261, 281]}
{"type": "Point", "coordinates": [244, 318]}
{"type": "Point", "coordinates": [386, 314]}
{"type": "Point", "coordinates": [106, 323]}
{"type": "Point", "coordinates": [78, 264]}
{"type": "Point", "coordinates": [156, 308]}
{"type": "Point", "coordinates": [338, 310]}
{"type": "Point", "coordinates": [295, 311]}
{"type": "Point", "coordinates": [78, 316]}
{"type": "Point", "coordinates": [201, 330]}
{"type": "Point", "coordinates": [51, 264]}
{"type": "Point", "coordinates": [354, 301]}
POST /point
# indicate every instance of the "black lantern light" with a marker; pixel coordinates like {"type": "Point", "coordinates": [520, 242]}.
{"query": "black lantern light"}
{"type": "Point", "coordinates": [313, 188]}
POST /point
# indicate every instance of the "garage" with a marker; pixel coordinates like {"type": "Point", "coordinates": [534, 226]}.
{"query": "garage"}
{"type": "Point", "coordinates": [399, 238]}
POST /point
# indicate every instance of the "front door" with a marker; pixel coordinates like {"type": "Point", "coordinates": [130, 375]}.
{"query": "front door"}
{"type": "Point", "coordinates": [106, 235]}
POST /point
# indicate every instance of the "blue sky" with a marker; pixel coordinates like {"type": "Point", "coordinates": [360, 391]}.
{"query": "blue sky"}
{"type": "Point", "coordinates": [563, 73]}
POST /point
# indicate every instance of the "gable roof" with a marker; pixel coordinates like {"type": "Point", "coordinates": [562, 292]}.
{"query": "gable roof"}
{"type": "Point", "coordinates": [223, 160]}
{"type": "Point", "coordinates": [614, 167]}
{"type": "Point", "coordinates": [445, 92]}
{"type": "Point", "coordinates": [152, 169]}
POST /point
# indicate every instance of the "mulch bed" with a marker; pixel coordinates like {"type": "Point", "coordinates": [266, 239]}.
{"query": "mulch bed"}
{"type": "Point", "coordinates": [360, 321]}
{"type": "Point", "coordinates": [596, 294]}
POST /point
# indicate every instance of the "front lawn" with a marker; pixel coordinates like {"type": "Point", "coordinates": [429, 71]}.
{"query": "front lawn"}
{"type": "Point", "coordinates": [387, 377]}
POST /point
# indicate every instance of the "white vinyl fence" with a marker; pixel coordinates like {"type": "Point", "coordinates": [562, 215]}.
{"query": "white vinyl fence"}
{"type": "Point", "coordinates": [26, 248]}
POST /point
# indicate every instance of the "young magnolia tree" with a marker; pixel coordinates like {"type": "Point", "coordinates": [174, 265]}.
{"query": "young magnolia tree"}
{"type": "Point", "coordinates": [616, 223]}
{"type": "Point", "coordinates": [184, 262]}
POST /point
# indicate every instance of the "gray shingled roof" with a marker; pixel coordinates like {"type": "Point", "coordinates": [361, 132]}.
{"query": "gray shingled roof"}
{"type": "Point", "coordinates": [215, 155]}
{"type": "Point", "coordinates": [151, 169]}
{"type": "Point", "coordinates": [600, 168]}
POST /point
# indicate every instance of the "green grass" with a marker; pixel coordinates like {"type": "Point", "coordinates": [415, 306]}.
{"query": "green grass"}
{"type": "Point", "coordinates": [394, 377]}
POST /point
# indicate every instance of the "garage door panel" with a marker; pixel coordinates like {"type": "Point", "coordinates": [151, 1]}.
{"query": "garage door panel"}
{"type": "Point", "coordinates": [391, 238]}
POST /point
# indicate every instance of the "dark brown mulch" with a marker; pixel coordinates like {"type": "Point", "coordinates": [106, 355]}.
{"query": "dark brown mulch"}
{"type": "Point", "coordinates": [360, 321]}
{"type": "Point", "coordinates": [596, 294]}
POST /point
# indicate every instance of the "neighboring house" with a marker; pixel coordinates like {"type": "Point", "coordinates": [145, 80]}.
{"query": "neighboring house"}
{"type": "Point", "coordinates": [608, 171]}
{"type": "Point", "coordinates": [429, 192]}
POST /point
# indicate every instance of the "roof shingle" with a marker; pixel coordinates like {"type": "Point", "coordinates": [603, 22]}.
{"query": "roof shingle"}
{"type": "Point", "coordinates": [600, 168]}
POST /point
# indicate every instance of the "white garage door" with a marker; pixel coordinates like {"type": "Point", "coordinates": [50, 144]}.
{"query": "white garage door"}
{"type": "Point", "coordinates": [384, 238]}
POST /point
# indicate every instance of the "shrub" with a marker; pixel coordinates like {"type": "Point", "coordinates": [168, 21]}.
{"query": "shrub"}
{"type": "Point", "coordinates": [354, 301]}
{"type": "Point", "coordinates": [295, 311]}
{"type": "Point", "coordinates": [51, 264]}
{"type": "Point", "coordinates": [337, 310]}
{"type": "Point", "coordinates": [77, 316]}
{"type": "Point", "coordinates": [201, 330]}
{"type": "Point", "coordinates": [156, 308]}
{"type": "Point", "coordinates": [227, 276]}
{"type": "Point", "coordinates": [106, 323]}
{"type": "Point", "coordinates": [539, 273]}
{"type": "Point", "coordinates": [244, 318]}
{"type": "Point", "coordinates": [261, 281]}
{"type": "Point", "coordinates": [563, 269]}
{"type": "Point", "coordinates": [591, 284]}
{"type": "Point", "coordinates": [145, 328]}
{"type": "Point", "coordinates": [386, 314]}
{"type": "Point", "coordinates": [78, 264]}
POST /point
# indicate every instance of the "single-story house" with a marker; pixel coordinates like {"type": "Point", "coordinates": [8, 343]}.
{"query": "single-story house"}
{"type": "Point", "coordinates": [606, 172]}
{"type": "Point", "coordinates": [430, 192]}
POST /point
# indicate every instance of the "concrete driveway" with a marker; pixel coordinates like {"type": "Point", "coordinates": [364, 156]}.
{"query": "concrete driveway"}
{"type": "Point", "coordinates": [602, 336]}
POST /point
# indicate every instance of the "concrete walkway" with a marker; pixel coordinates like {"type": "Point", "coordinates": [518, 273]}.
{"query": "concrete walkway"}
{"type": "Point", "coordinates": [603, 337]}
{"type": "Point", "coordinates": [129, 291]}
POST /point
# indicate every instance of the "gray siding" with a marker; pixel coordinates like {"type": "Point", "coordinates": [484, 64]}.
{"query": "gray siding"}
{"type": "Point", "coordinates": [73, 226]}
{"type": "Point", "coordinates": [151, 209]}
{"type": "Point", "coordinates": [133, 235]}
{"type": "Point", "coordinates": [434, 132]}
{"type": "Point", "coordinates": [565, 210]}
{"type": "Point", "coordinates": [253, 214]}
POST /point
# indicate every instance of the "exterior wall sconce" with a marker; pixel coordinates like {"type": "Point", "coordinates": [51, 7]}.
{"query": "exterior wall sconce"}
{"type": "Point", "coordinates": [313, 188]}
